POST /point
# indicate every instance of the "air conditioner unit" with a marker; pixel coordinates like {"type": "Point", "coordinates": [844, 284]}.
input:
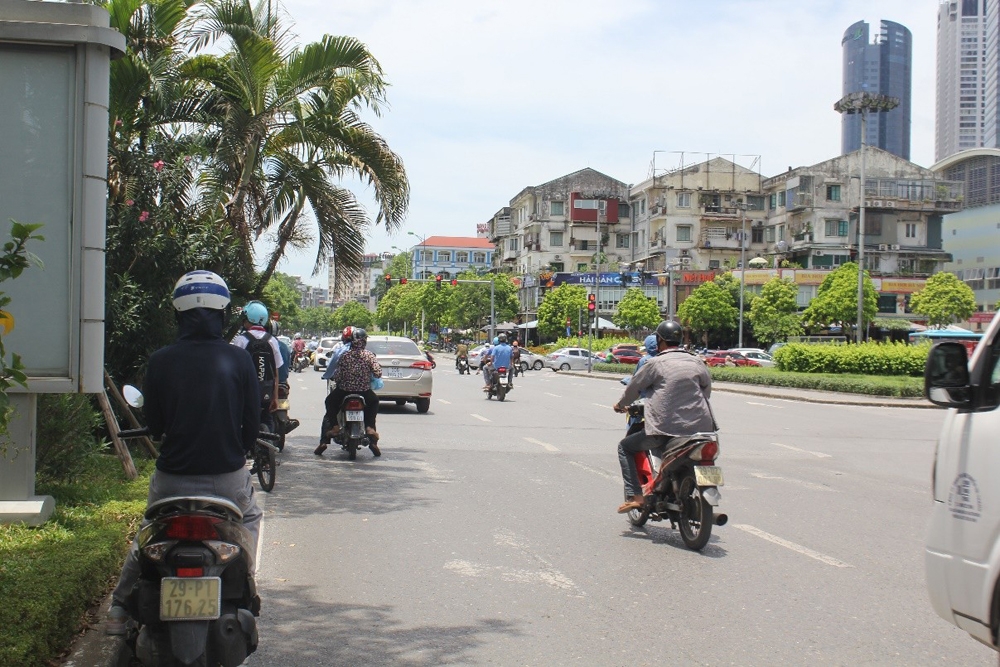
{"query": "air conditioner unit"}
{"type": "Point", "coordinates": [557, 258]}
{"type": "Point", "coordinates": [685, 261]}
{"type": "Point", "coordinates": [895, 246]}
{"type": "Point", "coordinates": [877, 203]}
{"type": "Point", "coordinates": [883, 247]}
{"type": "Point", "coordinates": [819, 253]}
{"type": "Point", "coordinates": [684, 253]}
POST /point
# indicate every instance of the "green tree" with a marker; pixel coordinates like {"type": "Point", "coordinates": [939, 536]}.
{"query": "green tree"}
{"type": "Point", "coordinates": [836, 299]}
{"type": "Point", "coordinates": [944, 300]}
{"type": "Point", "coordinates": [709, 309]}
{"type": "Point", "coordinates": [281, 295]}
{"type": "Point", "coordinates": [316, 320]}
{"type": "Point", "coordinates": [352, 314]}
{"type": "Point", "coordinates": [773, 314]}
{"type": "Point", "coordinates": [732, 285]}
{"type": "Point", "coordinates": [561, 304]}
{"type": "Point", "coordinates": [400, 266]}
{"type": "Point", "coordinates": [637, 311]}
{"type": "Point", "coordinates": [470, 304]}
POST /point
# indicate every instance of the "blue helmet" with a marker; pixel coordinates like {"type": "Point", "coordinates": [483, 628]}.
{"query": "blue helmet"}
{"type": "Point", "coordinates": [650, 344]}
{"type": "Point", "coordinates": [256, 313]}
{"type": "Point", "coordinates": [496, 340]}
{"type": "Point", "coordinates": [200, 289]}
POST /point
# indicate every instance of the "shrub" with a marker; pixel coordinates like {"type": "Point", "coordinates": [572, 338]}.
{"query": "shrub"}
{"type": "Point", "coordinates": [66, 446]}
{"type": "Point", "coordinates": [899, 386]}
{"type": "Point", "coordinates": [864, 359]}
{"type": "Point", "coordinates": [596, 345]}
{"type": "Point", "coordinates": [624, 369]}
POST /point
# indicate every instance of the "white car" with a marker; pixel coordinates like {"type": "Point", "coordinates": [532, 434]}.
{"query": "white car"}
{"type": "Point", "coordinates": [568, 358]}
{"type": "Point", "coordinates": [962, 554]}
{"type": "Point", "coordinates": [474, 355]}
{"type": "Point", "coordinates": [531, 360]}
{"type": "Point", "coordinates": [757, 354]}
{"type": "Point", "coordinates": [326, 346]}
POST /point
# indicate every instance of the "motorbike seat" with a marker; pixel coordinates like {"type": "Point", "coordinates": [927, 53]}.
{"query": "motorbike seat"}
{"type": "Point", "coordinates": [221, 507]}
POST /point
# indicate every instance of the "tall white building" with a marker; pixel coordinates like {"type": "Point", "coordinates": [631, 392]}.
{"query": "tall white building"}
{"type": "Point", "coordinates": [967, 56]}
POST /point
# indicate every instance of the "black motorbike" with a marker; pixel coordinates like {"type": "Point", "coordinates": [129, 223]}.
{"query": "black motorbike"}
{"type": "Point", "coordinates": [300, 362]}
{"type": "Point", "coordinates": [196, 601]}
{"type": "Point", "coordinates": [351, 418]}
{"type": "Point", "coordinates": [501, 384]}
{"type": "Point", "coordinates": [462, 364]}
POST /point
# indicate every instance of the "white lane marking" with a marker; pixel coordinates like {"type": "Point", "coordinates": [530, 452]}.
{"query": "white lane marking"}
{"type": "Point", "coordinates": [802, 483]}
{"type": "Point", "coordinates": [553, 395]}
{"type": "Point", "coordinates": [481, 418]}
{"type": "Point", "coordinates": [602, 405]}
{"type": "Point", "coordinates": [549, 578]}
{"type": "Point", "coordinates": [597, 472]}
{"type": "Point", "coordinates": [259, 498]}
{"type": "Point", "coordinates": [820, 455]}
{"type": "Point", "coordinates": [766, 405]}
{"type": "Point", "coordinates": [545, 445]}
{"type": "Point", "coordinates": [798, 548]}
{"type": "Point", "coordinates": [441, 400]}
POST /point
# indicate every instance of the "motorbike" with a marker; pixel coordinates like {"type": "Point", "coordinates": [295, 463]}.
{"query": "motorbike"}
{"type": "Point", "coordinates": [351, 418]}
{"type": "Point", "coordinates": [283, 425]}
{"type": "Point", "coordinates": [300, 362]}
{"type": "Point", "coordinates": [498, 387]}
{"type": "Point", "coordinates": [463, 365]}
{"type": "Point", "coordinates": [684, 487]}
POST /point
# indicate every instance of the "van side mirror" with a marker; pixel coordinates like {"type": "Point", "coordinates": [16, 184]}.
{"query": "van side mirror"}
{"type": "Point", "coordinates": [946, 376]}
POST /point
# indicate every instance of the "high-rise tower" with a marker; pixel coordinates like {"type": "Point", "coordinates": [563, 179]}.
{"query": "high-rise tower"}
{"type": "Point", "coordinates": [966, 105]}
{"type": "Point", "coordinates": [884, 66]}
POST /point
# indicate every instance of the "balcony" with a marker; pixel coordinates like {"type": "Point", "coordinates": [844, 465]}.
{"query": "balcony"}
{"type": "Point", "coordinates": [920, 206]}
{"type": "Point", "coordinates": [799, 201]}
{"type": "Point", "coordinates": [720, 237]}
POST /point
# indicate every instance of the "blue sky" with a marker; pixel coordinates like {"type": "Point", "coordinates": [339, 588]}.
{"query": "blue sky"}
{"type": "Point", "coordinates": [487, 98]}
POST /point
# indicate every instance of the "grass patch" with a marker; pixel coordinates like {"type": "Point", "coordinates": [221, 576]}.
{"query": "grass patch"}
{"type": "Point", "coordinates": [872, 385]}
{"type": "Point", "coordinates": [51, 575]}
{"type": "Point", "coordinates": [624, 369]}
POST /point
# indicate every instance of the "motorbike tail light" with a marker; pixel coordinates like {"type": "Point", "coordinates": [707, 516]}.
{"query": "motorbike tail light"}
{"type": "Point", "coordinates": [158, 551]}
{"type": "Point", "coordinates": [502, 369]}
{"type": "Point", "coordinates": [190, 571]}
{"type": "Point", "coordinates": [224, 550]}
{"type": "Point", "coordinates": [354, 405]}
{"type": "Point", "coordinates": [192, 528]}
{"type": "Point", "coordinates": [422, 365]}
{"type": "Point", "coordinates": [706, 452]}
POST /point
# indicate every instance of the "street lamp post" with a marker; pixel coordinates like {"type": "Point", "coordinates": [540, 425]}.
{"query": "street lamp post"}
{"type": "Point", "coordinates": [863, 103]}
{"type": "Point", "coordinates": [423, 271]}
{"type": "Point", "coordinates": [743, 264]}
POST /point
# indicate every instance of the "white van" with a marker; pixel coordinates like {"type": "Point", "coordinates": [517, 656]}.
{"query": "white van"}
{"type": "Point", "coordinates": [963, 541]}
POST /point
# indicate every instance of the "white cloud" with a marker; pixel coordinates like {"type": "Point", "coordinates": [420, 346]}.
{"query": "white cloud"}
{"type": "Point", "coordinates": [488, 98]}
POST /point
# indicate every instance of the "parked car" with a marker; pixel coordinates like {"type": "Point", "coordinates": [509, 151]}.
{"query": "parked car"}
{"type": "Point", "coordinates": [568, 358]}
{"type": "Point", "coordinates": [962, 550]}
{"type": "Point", "coordinates": [406, 372]}
{"type": "Point", "coordinates": [531, 360]}
{"type": "Point", "coordinates": [624, 353]}
{"type": "Point", "coordinates": [474, 355]}
{"type": "Point", "coordinates": [323, 351]}
{"type": "Point", "coordinates": [721, 358]}
{"type": "Point", "coordinates": [757, 354]}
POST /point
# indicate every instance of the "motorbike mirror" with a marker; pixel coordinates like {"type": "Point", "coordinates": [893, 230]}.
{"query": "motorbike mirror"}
{"type": "Point", "coordinates": [625, 381]}
{"type": "Point", "coordinates": [132, 396]}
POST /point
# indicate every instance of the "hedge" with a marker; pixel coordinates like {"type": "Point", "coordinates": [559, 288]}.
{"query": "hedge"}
{"type": "Point", "coordinates": [51, 575]}
{"type": "Point", "coordinates": [864, 359]}
{"type": "Point", "coordinates": [900, 386]}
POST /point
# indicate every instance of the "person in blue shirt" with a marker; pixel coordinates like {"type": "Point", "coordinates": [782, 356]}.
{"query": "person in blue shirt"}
{"type": "Point", "coordinates": [500, 357]}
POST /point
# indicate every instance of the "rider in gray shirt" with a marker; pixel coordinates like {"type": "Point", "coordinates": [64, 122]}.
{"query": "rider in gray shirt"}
{"type": "Point", "coordinates": [678, 405]}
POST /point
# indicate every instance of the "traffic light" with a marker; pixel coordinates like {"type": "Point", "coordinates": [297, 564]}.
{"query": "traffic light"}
{"type": "Point", "coordinates": [591, 303]}
{"type": "Point", "coordinates": [437, 281]}
{"type": "Point", "coordinates": [454, 282]}
{"type": "Point", "coordinates": [388, 281]}
{"type": "Point", "coordinates": [402, 281]}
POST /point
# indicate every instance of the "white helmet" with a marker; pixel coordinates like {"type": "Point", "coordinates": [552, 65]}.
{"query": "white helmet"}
{"type": "Point", "coordinates": [201, 289]}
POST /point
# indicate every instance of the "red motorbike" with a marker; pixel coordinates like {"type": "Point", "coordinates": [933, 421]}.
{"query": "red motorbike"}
{"type": "Point", "coordinates": [685, 488]}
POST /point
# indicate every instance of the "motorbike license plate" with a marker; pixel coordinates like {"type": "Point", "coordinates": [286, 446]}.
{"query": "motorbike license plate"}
{"type": "Point", "coordinates": [392, 372]}
{"type": "Point", "coordinates": [708, 476]}
{"type": "Point", "coordinates": [355, 416]}
{"type": "Point", "coordinates": [190, 598]}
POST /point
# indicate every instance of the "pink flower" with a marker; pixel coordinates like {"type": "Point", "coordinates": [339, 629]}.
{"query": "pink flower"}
{"type": "Point", "coordinates": [144, 216]}
{"type": "Point", "coordinates": [187, 158]}
{"type": "Point", "coordinates": [118, 122]}
{"type": "Point", "coordinates": [158, 165]}
{"type": "Point", "coordinates": [129, 202]}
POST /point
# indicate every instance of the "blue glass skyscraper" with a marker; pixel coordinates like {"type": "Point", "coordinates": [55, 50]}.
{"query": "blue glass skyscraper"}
{"type": "Point", "coordinates": [884, 66]}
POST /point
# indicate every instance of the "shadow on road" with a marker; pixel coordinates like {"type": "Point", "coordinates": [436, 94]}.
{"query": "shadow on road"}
{"type": "Point", "coordinates": [297, 630]}
{"type": "Point", "coordinates": [668, 536]}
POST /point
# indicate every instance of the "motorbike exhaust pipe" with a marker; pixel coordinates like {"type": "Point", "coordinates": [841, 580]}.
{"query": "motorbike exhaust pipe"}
{"type": "Point", "coordinates": [721, 519]}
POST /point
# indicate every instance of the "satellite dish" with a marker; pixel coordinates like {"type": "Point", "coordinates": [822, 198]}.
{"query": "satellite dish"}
{"type": "Point", "coordinates": [781, 246]}
{"type": "Point", "coordinates": [132, 396]}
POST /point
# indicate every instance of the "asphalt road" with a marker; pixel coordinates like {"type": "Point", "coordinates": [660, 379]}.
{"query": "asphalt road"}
{"type": "Point", "coordinates": [486, 535]}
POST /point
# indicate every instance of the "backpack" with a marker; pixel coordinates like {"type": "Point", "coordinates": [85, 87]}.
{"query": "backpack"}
{"type": "Point", "coordinates": [263, 362]}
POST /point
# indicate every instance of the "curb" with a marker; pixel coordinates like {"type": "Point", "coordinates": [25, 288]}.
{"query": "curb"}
{"type": "Point", "coordinates": [863, 400]}
{"type": "Point", "coordinates": [94, 648]}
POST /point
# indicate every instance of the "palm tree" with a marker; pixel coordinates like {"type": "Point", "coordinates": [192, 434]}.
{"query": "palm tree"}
{"type": "Point", "coordinates": [281, 127]}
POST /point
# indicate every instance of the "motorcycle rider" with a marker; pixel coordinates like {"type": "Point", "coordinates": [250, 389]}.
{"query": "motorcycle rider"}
{"type": "Point", "coordinates": [461, 352]}
{"type": "Point", "coordinates": [680, 387]}
{"type": "Point", "coordinates": [500, 357]}
{"type": "Point", "coordinates": [255, 317]}
{"type": "Point", "coordinates": [515, 358]}
{"type": "Point", "coordinates": [202, 396]}
{"type": "Point", "coordinates": [298, 347]}
{"type": "Point", "coordinates": [286, 356]}
{"type": "Point", "coordinates": [355, 370]}
{"type": "Point", "coordinates": [326, 433]}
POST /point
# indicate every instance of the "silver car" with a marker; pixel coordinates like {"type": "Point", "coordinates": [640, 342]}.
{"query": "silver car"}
{"type": "Point", "coordinates": [406, 372]}
{"type": "Point", "coordinates": [531, 360]}
{"type": "Point", "coordinates": [568, 358]}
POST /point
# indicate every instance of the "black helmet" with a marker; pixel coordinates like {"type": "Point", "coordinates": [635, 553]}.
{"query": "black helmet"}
{"type": "Point", "coordinates": [360, 334]}
{"type": "Point", "coordinates": [502, 337]}
{"type": "Point", "coordinates": [670, 332]}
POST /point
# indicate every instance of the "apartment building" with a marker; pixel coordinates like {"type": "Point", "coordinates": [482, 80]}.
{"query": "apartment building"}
{"type": "Point", "coordinates": [451, 255]}
{"type": "Point", "coordinates": [557, 227]}
{"type": "Point", "coordinates": [967, 72]}
{"type": "Point", "coordinates": [358, 286]}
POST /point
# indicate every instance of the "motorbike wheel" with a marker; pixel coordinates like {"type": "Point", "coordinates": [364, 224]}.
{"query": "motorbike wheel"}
{"type": "Point", "coordinates": [501, 393]}
{"type": "Point", "coordinates": [695, 515]}
{"type": "Point", "coordinates": [266, 466]}
{"type": "Point", "coordinates": [638, 518]}
{"type": "Point", "coordinates": [352, 449]}
{"type": "Point", "coordinates": [281, 442]}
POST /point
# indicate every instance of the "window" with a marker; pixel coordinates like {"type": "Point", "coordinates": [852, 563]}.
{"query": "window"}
{"type": "Point", "coordinates": [582, 244]}
{"type": "Point", "coordinates": [557, 267]}
{"type": "Point", "coordinates": [911, 230]}
{"type": "Point", "coordinates": [586, 204]}
{"type": "Point", "coordinates": [461, 256]}
{"type": "Point", "coordinates": [772, 202]}
{"type": "Point", "coordinates": [683, 232]}
{"type": "Point", "coordinates": [781, 199]}
{"type": "Point", "coordinates": [833, 193]}
{"type": "Point", "coordinates": [556, 208]}
{"type": "Point", "coordinates": [512, 244]}
{"type": "Point", "coordinates": [426, 256]}
{"type": "Point", "coordinates": [873, 225]}
{"type": "Point", "coordinates": [836, 228]}
{"type": "Point", "coordinates": [757, 235]}
{"type": "Point", "coordinates": [621, 241]}
{"type": "Point", "coordinates": [683, 200]}
{"type": "Point", "coordinates": [622, 210]}
{"type": "Point", "coordinates": [444, 255]}
{"type": "Point", "coordinates": [479, 258]}
{"type": "Point", "coordinates": [769, 235]}
{"type": "Point", "coordinates": [713, 264]}
{"type": "Point", "coordinates": [556, 239]}
{"type": "Point", "coordinates": [642, 205]}
{"type": "Point", "coordinates": [582, 267]}
{"type": "Point", "coordinates": [755, 202]}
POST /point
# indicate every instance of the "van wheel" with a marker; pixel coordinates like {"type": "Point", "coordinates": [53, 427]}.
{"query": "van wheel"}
{"type": "Point", "coordinates": [423, 405]}
{"type": "Point", "coordinates": [400, 402]}
{"type": "Point", "coordinates": [564, 367]}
